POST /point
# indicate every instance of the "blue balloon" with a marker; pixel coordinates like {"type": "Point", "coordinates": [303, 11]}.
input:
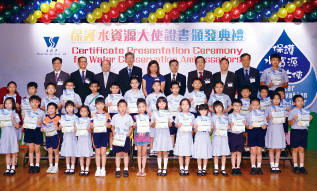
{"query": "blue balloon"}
{"type": "Point", "coordinates": [203, 12]}
{"type": "Point", "coordinates": [97, 3]}
{"type": "Point", "coordinates": [29, 8]}
{"type": "Point", "coordinates": [160, 3]}
{"type": "Point", "coordinates": [24, 15]}
{"type": "Point", "coordinates": [90, 7]}
{"type": "Point", "coordinates": [187, 19]}
{"type": "Point", "coordinates": [76, 18]}
{"type": "Point", "coordinates": [195, 17]}
{"type": "Point", "coordinates": [210, 6]}
{"type": "Point", "coordinates": [81, 14]}
{"type": "Point", "coordinates": [70, 19]}
{"type": "Point", "coordinates": [282, 2]}
{"type": "Point", "coordinates": [258, 17]}
{"type": "Point", "coordinates": [34, 4]}
{"type": "Point", "coordinates": [152, 7]}
{"type": "Point", "coordinates": [16, 18]}
{"type": "Point", "coordinates": [275, 7]}
{"type": "Point", "coordinates": [218, 3]}
{"type": "Point", "coordinates": [137, 17]}
{"type": "Point", "coordinates": [130, 19]}
{"type": "Point", "coordinates": [267, 13]}
{"type": "Point", "coordinates": [145, 13]}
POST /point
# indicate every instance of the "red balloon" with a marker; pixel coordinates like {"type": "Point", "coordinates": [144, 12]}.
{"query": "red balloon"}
{"type": "Point", "coordinates": [46, 19]}
{"type": "Point", "coordinates": [250, 3]}
{"type": "Point", "coordinates": [314, 3]}
{"type": "Point", "coordinates": [52, 13]}
{"type": "Point", "coordinates": [106, 18]}
{"type": "Point", "coordinates": [59, 7]}
{"type": "Point", "coordinates": [307, 7]}
{"type": "Point", "coordinates": [67, 3]}
{"type": "Point", "coordinates": [122, 6]}
{"type": "Point", "coordinates": [190, 4]}
{"type": "Point", "coordinates": [182, 6]}
{"type": "Point", "coordinates": [235, 13]}
{"type": "Point", "coordinates": [114, 12]}
{"type": "Point", "coordinates": [298, 13]}
{"type": "Point", "coordinates": [2, 7]}
{"type": "Point", "coordinates": [40, 20]}
{"type": "Point", "coordinates": [280, 19]}
{"type": "Point", "coordinates": [174, 13]}
{"type": "Point", "coordinates": [20, 2]}
{"type": "Point", "coordinates": [218, 19]}
{"type": "Point", "coordinates": [243, 7]}
{"type": "Point", "coordinates": [167, 18]}
{"type": "Point", "coordinates": [130, 3]}
{"type": "Point", "coordinates": [289, 17]}
{"type": "Point", "coordinates": [159, 20]}
{"type": "Point", "coordinates": [226, 17]}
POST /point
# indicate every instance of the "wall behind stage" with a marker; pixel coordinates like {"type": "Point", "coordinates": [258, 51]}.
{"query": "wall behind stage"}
{"type": "Point", "coordinates": [26, 50]}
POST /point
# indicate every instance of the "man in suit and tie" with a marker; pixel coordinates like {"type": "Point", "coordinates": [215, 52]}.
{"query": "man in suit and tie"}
{"type": "Point", "coordinates": [227, 78]}
{"type": "Point", "coordinates": [105, 78]}
{"type": "Point", "coordinates": [82, 78]}
{"type": "Point", "coordinates": [174, 76]}
{"type": "Point", "coordinates": [204, 75]}
{"type": "Point", "coordinates": [247, 76]}
{"type": "Point", "coordinates": [57, 77]}
{"type": "Point", "coordinates": [126, 73]}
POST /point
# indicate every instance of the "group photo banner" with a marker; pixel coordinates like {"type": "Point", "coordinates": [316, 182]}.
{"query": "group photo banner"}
{"type": "Point", "coordinates": [27, 50]}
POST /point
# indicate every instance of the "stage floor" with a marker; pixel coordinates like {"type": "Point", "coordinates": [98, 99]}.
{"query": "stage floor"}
{"type": "Point", "coordinates": [286, 181]}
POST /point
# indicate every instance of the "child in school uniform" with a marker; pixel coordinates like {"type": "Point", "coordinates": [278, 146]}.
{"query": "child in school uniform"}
{"type": "Point", "coordinates": [219, 96]}
{"type": "Point", "coordinates": [151, 101]}
{"type": "Point", "coordinates": [162, 139]}
{"type": "Point", "coordinates": [275, 137]}
{"type": "Point", "coordinates": [256, 137]}
{"type": "Point", "coordinates": [265, 100]}
{"type": "Point", "coordinates": [196, 83]}
{"type": "Point", "coordinates": [245, 100]}
{"type": "Point", "coordinates": [220, 145]}
{"type": "Point", "coordinates": [202, 145]}
{"type": "Point", "coordinates": [90, 99]}
{"type": "Point", "coordinates": [50, 89]}
{"type": "Point", "coordinates": [100, 139]}
{"type": "Point", "coordinates": [8, 141]}
{"type": "Point", "coordinates": [52, 142]}
{"type": "Point", "coordinates": [141, 139]}
{"type": "Point", "coordinates": [236, 138]}
{"type": "Point", "coordinates": [299, 134]}
{"type": "Point", "coordinates": [115, 90]}
{"type": "Point", "coordinates": [125, 122]}
{"type": "Point", "coordinates": [184, 141]}
{"type": "Point", "coordinates": [34, 137]}
{"type": "Point", "coordinates": [174, 98]}
{"type": "Point", "coordinates": [69, 85]}
{"type": "Point", "coordinates": [84, 143]}
{"type": "Point", "coordinates": [132, 95]}
{"type": "Point", "coordinates": [69, 144]}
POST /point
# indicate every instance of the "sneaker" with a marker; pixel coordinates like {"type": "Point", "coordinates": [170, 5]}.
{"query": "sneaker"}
{"type": "Point", "coordinates": [49, 170]}
{"type": "Point", "coordinates": [82, 173]}
{"type": "Point", "coordinates": [125, 173]}
{"type": "Point", "coordinates": [238, 171]}
{"type": "Point", "coordinates": [259, 171]}
{"type": "Point", "coordinates": [204, 173]}
{"type": "Point", "coordinates": [98, 172]}
{"type": "Point", "coordinates": [181, 172]}
{"type": "Point", "coordinates": [224, 173]}
{"type": "Point", "coordinates": [215, 172]}
{"type": "Point", "coordinates": [186, 173]}
{"type": "Point", "coordinates": [303, 170]}
{"type": "Point", "coordinates": [199, 173]}
{"type": "Point", "coordinates": [31, 170]}
{"type": "Point", "coordinates": [55, 170]}
{"type": "Point", "coordinates": [164, 172]}
{"type": "Point", "coordinates": [102, 173]}
{"type": "Point", "coordinates": [118, 174]}
{"type": "Point", "coordinates": [12, 172]}
{"type": "Point", "coordinates": [67, 171]}
{"type": "Point", "coordinates": [7, 172]}
{"type": "Point", "coordinates": [36, 169]}
{"type": "Point", "coordinates": [159, 172]}
{"type": "Point", "coordinates": [296, 170]}
{"type": "Point", "coordinates": [253, 171]}
{"type": "Point", "coordinates": [87, 173]}
{"type": "Point", "coordinates": [234, 172]}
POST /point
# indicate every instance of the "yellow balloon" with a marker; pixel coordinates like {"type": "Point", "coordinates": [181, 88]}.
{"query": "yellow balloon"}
{"type": "Point", "coordinates": [160, 13]}
{"type": "Point", "coordinates": [152, 18]}
{"type": "Point", "coordinates": [31, 18]}
{"type": "Point", "coordinates": [97, 13]}
{"type": "Point", "coordinates": [90, 18]}
{"type": "Point", "coordinates": [273, 18]}
{"type": "Point", "coordinates": [282, 12]}
{"type": "Point", "coordinates": [174, 5]}
{"type": "Point", "coordinates": [210, 17]}
{"type": "Point", "coordinates": [105, 7]}
{"type": "Point", "coordinates": [113, 3]}
{"type": "Point", "coordinates": [235, 3]}
{"type": "Point", "coordinates": [167, 7]}
{"type": "Point", "coordinates": [45, 7]}
{"type": "Point", "coordinates": [202, 19]}
{"type": "Point", "coordinates": [37, 14]}
{"type": "Point", "coordinates": [52, 4]}
{"type": "Point", "coordinates": [227, 6]}
{"type": "Point", "coordinates": [218, 12]}
{"type": "Point", "coordinates": [60, 1]}
{"type": "Point", "coordinates": [290, 7]}
{"type": "Point", "coordinates": [298, 3]}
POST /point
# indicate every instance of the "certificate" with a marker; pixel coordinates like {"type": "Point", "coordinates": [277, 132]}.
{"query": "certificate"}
{"type": "Point", "coordinates": [258, 118]}
{"type": "Point", "coordinates": [286, 105]}
{"type": "Point", "coordinates": [120, 137]}
{"type": "Point", "coordinates": [204, 123]}
{"type": "Point", "coordinates": [276, 77]}
{"type": "Point", "coordinates": [265, 102]}
{"type": "Point", "coordinates": [162, 119]}
{"type": "Point", "coordinates": [198, 98]}
{"type": "Point", "coordinates": [186, 120]}
{"type": "Point", "coordinates": [222, 126]}
{"type": "Point", "coordinates": [81, 125]}
{"type": "Point", "coordinates": [132, 106]}
{"type": "Point", "coordinates": [278, 114]}
{"type": "Point", "coordinates": [30, 120]}
{"type": "Point", "coordinates": [303, 118]}
{"type": "Point", "coordinates": [153, 104]}
{"type": "Point", "coordinates": [5, 118]}
{"type": "Point", "coordinates": [49, 129]}
{"type": "Point", "coordinates": [114, 99]}
{"type": "Point", "coordinates": [50, 100]}
{"type": "Point", "coordinates": [221, 98]}
{"type": "Point", "coordinates": [173, 106]}
{"type": "Point", "coordinates": [100, 123]}
{"type": "Point", "coordinates": [67, 122]}
{"type": "Point", "coordinates": [93, 109]}
{"type": "Point", "coordinates": [69, 95]}
{"type": "Point", "coordinates": [25, 105]}
{"type": "Point", "coordinates": [245, 106]}
{"type": "Point", "coordinates": [238, 125]}
{"type": "Point", "coordinates": [143, 123]}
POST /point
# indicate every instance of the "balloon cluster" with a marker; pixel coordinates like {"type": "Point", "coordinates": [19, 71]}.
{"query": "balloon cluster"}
{"type": "Point", "coordinates": [158, 11]}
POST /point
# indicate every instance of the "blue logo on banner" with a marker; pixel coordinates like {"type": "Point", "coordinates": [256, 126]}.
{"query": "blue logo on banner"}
{"type": "Point", "coordinates": [301, 73]}
{"type": "Point", "coordinates": [51, 42]}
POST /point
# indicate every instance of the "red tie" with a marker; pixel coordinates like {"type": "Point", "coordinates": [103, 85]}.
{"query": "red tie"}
{"type": "Point", "coordinates": [201, 75]}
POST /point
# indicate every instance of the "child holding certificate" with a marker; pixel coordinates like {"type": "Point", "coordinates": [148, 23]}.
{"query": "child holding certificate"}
{"type": "Point", "coordinates": [256, 123]}
{"type": "Point", "coordinates": [161, 121]}
{"type": "Point", "coordinates": [70, 95]}
{"type": "Point", "coordinates": [9, 123]}
{"type": "Point", "coordinates": [237, 123]}
{"type": "Point", "coordinates": [121, 125]}
{"type": "Point", "coordinates": [184, 122]}
{"type": "Point", "coordinates": [50, 89]}
{"type": "Point", "coordinates": [84, 144]}
{"type": "Point", "coordinates": [142, 135]}
{"type": "Point", "coordinates": [202, 145]}
{"type": "Point", "coordinates": [265, 100]}
{"type": "Point", "coordinates": [90, 99]}
{"type": "Point", "coordinates": [32, 121]}
{"type": "Point", "coordinates": [219, 96]}
{"type": "Point", "coordinates": [299, 120]}
{"type": "Point", "coordinates": [131, 96]}
{"type": "Point", "coordinates": [220, 145]}
{"type": "Point", "coordinates": [275, 137]}
{"type": "Point", "coordinates": [69, 144]}
{"type": "Point", "coordinates": [196, 97]}
{"type": "Point", "coordinates": [100, 124]}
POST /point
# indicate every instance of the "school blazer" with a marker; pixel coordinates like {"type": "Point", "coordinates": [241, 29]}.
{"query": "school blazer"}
{"type": "Point", "coordinates": [230, 85]}
{"type": "Point", "coordinates": [100, 78]}
{"type": "Point", "coordinates": [253, 83]}
{"type": "Point", "coordinates": [50, 78]}
{"type": "Point", "coordinates": [207, 82]}
{"type": "Point", "coordinates": [124, 79]}
{"type": "Point", "coordinates": [180, 78]}
{"type": "Point", "coordinates": [82, 89]}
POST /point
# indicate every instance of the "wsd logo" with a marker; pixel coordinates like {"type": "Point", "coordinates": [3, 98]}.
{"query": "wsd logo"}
{"type": "Point", "coordinates": [51, 42]}
{"type": "Point", "coordinates": [51, 47]}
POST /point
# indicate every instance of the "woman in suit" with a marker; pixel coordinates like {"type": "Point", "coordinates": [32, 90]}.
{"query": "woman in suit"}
{"type": "Point", "coordinates": [153, 74]}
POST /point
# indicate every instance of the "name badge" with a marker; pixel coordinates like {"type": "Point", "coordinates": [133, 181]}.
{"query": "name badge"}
{"type": "Point", "coordinates": [207, 81]}
{"type": "Point", "coordinates": [179, 84]}
{"type": "Point", "coordinates": [252, 80]}
{"type": "Point", "coordinates": [60, 83]}
{"type": "Point", "coordinates": [230, 85]}
{"type": "Point", "coordinates": [87, 81]}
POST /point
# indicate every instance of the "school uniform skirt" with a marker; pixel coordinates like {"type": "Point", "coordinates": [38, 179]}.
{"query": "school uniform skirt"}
{"type": "Point", "coordinates": [202, 146]}
{"type": "Point", "coordinates": [162, 140]}
{"type": "Point", "coordinates": [184, 144]}
{"type": "Point", "coordinates": [8, 141]}
{"type": "Point", "coordinates": [69, 145]}
{"type": "Point", "coordinates": [275, 136]}
{"type": "Point", "coordinates": [84, 146]}
{"type": "Point", "coordinates": [220, 145]}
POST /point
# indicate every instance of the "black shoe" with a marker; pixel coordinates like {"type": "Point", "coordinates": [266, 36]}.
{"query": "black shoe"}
{"type": "Point", "coordinates": [7, 172]}
{"type": "Point", "coordinates": [12, 172]}
{"type": "Point", "coordinates": [16, 165]}
{"type": "Point", "coordinates": [164, 172]}
{"type": "Point", "coordinates": [152, 154]}
{"type": "Point", "coordinates": [224, 173]}
{"type": "Point", "coordinates": [277, 170]}
{"type": "Point", "coordinates": [204, 173]}
{"type": "Point", "coordinates": [159, 172]}
{"type": "Point", "coordinates": [234, 172]}
{"type": "Point", "coordinates": [186, 173]}
{"type": "Point", "coordinates": [259, 171]}
{"type": "Point", "coordinates": [86, 173]}
{"type": "Point", "coordinates": [36, 169]}
{"type": "Point", "coordinates": [181, 172]}
{"type": "Point", "coordinates": [238, 171]}
{"type": "Point", "coordinates": [303, 170]}
{"type": "Point", "coordinates": [71, 171]}
{"type": "Point", "coordinates": [199, 173]}
{"type": "Point", "coordinates": [118, 174]}
{"type": "Point", "coordinates": [296, 170]}
{"type": "Point", "coordinates": [67, 171]}
{"type": "Point", "coordinates": [215, 172]}
{"type": "Point", "coordinates": [31, 170]}
{"type": "Point", "coordinates": [253, 171]}
{"type": "Point", "coordinates": [273, 170]}
{"type": "Point", "coordinates": [125, 173]}
{"type": "Point", "coordinates": [82, 173]}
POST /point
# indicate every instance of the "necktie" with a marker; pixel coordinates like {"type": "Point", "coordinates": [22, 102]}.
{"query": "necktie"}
{"type": "Point", "coordinates": [83, 76]}
{"type": "Point", "coordinates": [246, 76]}
{"type": "Point", "coordinates": [56, 76]}
{"type": "Point", "coordinates": [201, 75]}
{"type": "Point", "coordinates": [173, 80]}
{"type": "Point", "coordinates": [105, 79]}
{"type": "Point", "coordinates": [130, 71]}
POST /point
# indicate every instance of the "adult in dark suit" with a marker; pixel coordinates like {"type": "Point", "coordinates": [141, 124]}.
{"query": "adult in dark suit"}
{"type": "Point", "coordinates": [248, 76]}
{"type": "Point", "coordinates": [82, 78]}
{"type": "Point", "coordinates": [126, 73]}
{"type": "Point", "coordinates": [57, 77]}
{"type": "Point", "coordinates": [105, 78]}
{"type": "Point", "coordinates": [174, 76]}
{"type": "Point", "coordinates": [204, 75]}
{"type": "Point", "coordinates": [227, 78]}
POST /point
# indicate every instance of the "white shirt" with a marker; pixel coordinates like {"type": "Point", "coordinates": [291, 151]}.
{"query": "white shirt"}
{"type": "Point", "coordinates": [81, 71]}
{"type": "Point", "coordinates": [198, 73]}
{"type": "Point", "coordinates": [105, 78]}
{"type": "Point", "coordinates": [223, 77]}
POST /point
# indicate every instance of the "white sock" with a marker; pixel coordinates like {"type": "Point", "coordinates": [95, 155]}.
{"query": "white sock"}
{"type": "Point", "coordinates": [31, 164]}
{"type": "Point", "coordinates": [67, 166]}
{"type": "Point", "coordinates": [13, 167]}
{"type": "Point", "coordinates": [51, 165]}
{"type": "Point", "coordinates": [181, 167]}
{"type": "Point", "coordinates": [259, 165]}
{"type": "Point", "coordinates": [216, 167]}
{"type": "Point", "coordinates": [186, 167]}
{"type": "Point", "coordinates": [252, 166]}
{"type": "Point", "coordinates": [56, 165]}
{"type": "Point", "coordinates": [98, 168]}
{"type": "Point", "coordinates": [223, 167]}
{"type": "Point", "coordinates": [276, 165]}
{"type": "Point", "coordinates": [165, 163]}
{"type": "Point", "coordinates": [8, 166]}
{"type": "Point", "coordinates": [87, 168]}
{"type": "Point", "coordinates": [301, 165]}
{"type": "Point", "coordinates": [82, 168]}
{"type": "Point", "coordinates": [38, 165]}
{"type": "Point", "coordinates": [233, 167]}
{"type": "Point", "coordinates": [125, 169]}
{"type": "Point", "coordinates": [118, 169]}
{"type": "Point", "coordinates": [103, 168]}
{"type": "Point", "coordinates": [272, 164]}
{"type": "Point", "coordinates": [205, 167]}
{"type": "Point", "coordinates": [72, 167]}
{"type": "Point", "coordinates": [295, 165]}
{"type": "Point", "coordinates": [159, 163]}
{"type": "Point", "coordinates": [199, 167]}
